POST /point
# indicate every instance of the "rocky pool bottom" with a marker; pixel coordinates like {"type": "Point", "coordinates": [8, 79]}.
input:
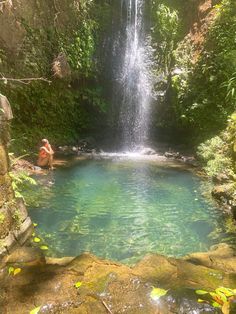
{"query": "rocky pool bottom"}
{"type": "Point", "coordinates": [87, 284]}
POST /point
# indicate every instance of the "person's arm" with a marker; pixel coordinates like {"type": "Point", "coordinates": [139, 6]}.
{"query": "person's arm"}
{"type": "Point", "coordinates": [46, 150]}
{"type": "Point", "coordinates": [51, 150]}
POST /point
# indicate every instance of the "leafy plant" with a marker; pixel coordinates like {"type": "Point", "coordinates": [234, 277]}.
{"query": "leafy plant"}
{"type": "Point", "coordinates": [213, 155]}
{"type": "Point", "coordinates": [164, 31]}
{"type": "Point", "coordinates": [20, 181]}
{"type": "Point", "coordinates": [220, 298]}
{"type": "Point", "coordinates": [17, 218]}
{"type": "Point", "coordinates": [231, 89]}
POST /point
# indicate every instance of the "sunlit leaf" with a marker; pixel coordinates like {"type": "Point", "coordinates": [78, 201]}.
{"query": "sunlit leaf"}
{"type": "Point", "coordinates": [156, 293]}
{"type": "Point", "coordinates": [16, 271]}
{"type": "Point", "coordinates": [222, 296]}
{"type": "Point", "coordinates": [78, 284]}
{"type": "Point", "coordinates": [225, 308]}
{"type": "Point", "coordinates": [215, 304]}
{"type": "Point", "coordinates": [44, 247]}
{"type": "Point", "coordinates": [35, 225]}
{"type": "Point", "coordinates": [36, 310]}
{"type": "Point", "coordinates": [201, 292]}
{"type": "Point", "coordinates": [201, 301]}
{"type": "Point", "coordinates": [37, 240]}
{"type": "Point", "coordinates": [216, 297]}
{"type": "Point", "coordinates": [226, 291]}
{"type": "Point", "coordinates": [10, 270]}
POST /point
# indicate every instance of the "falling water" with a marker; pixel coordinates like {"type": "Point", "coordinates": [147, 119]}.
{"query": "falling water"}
{"type": "Point", "coordinates": [134, 77]}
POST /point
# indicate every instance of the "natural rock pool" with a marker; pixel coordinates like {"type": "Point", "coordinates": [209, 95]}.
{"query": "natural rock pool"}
{"type": "Point", "coordinates": [122, 209]}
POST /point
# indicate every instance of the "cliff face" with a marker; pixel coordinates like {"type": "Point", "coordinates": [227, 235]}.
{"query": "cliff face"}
{"type": "Point", "coordinates": [20, 19]}
{"type": "Point", "coordinates": [15, 225]}
{"type": "Point", "coordinates": [52, 45]}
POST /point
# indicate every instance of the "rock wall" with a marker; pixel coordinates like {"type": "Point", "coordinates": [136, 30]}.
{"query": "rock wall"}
{"type": "Point", "coordinates": [15, 225]}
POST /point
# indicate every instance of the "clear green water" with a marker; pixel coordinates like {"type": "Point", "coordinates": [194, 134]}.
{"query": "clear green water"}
{"type": "Point", "coordinates": [122, 210]}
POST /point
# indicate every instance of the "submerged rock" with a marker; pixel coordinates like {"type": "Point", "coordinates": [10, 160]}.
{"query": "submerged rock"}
{"type": "Point", "coordinates": [221, 257]}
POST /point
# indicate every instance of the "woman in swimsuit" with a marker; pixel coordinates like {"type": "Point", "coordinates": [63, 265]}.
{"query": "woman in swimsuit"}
{"type": "Point", "coordinates": [45, 155]}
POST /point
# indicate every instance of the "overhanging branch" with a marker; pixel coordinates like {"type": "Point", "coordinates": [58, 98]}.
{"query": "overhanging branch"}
{"type": "Point", "coordinates": [25, 81]}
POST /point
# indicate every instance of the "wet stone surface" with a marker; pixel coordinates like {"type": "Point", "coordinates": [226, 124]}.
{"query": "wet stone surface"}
{"type": "Point", "coordinates": [108, 287]}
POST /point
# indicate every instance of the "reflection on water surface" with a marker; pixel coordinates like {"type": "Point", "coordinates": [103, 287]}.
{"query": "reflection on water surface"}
{"type": "Point", "coordinates": [122, 210]}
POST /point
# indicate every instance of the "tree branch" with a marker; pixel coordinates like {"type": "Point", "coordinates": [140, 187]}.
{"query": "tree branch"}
{"type": "Point", "coordinates": [25, 81]}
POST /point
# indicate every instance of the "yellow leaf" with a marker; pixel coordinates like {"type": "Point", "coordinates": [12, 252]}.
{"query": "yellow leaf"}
{"type": "Point", "coordinates": [36, 240]}
{"type": "Point", "coordinates": [226, 291]}
{"type": "Point", "coordinates": [16, 271]}
{"type": "Point", "coordinates": [216, 297]}
{"type": "Point", "coordinates": [215, 304]}
{"type": "Point", "coordinates": [35, 225]}
{"type": "Point", "coordinates": [78, 284]}
{"type": "Point", "coordinates": [10, 270]}
{"type": "Point", "coordinates": [44, 247]}
{"type": "Point", "coordinates": [156, 293]}
{"type": "Point", "coordinates": [201, 292]}
{"type": "Point", "coordinates": [222, 296]}
{"type": "Point", "coordinates": [225, 308]}
{"type": "Point", "coordinates": [36, 310]}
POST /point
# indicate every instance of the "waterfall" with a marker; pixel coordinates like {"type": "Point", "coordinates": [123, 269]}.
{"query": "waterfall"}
{"type": "Point", "coordinates": [133, 76]}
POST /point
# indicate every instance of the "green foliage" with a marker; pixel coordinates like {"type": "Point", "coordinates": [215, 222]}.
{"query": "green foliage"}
{"type": "Point", "coordinates": [17, 218]}
{"type": "Point", "coordinates": [164, 32]}
{"type": "Point", "coordinates": [205, 90]}
{"type": "Point", "coordinates": [230, 85]}
{"type": "Point", "coordinates": [20, 181]}
{"type": "Point", "coordinates": [67, 107]}
{"type": "Point", "coordinates": [219, 298]}
{"type": "Point", "coordinates": [213, 154]}
{"type": "Point", "coordinates": [79, 48]}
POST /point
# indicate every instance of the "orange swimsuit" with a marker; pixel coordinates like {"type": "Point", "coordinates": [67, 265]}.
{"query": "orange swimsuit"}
{"type": "Point", "coordinates": [43, 153]}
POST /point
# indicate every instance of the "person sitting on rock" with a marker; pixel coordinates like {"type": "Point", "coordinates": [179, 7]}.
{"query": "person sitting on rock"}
{"type": "Point", "coordinates": [45, 155]}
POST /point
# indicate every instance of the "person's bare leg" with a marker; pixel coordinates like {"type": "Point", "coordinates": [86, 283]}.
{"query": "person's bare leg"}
{"type": "Point", "coordinates": [42, 162]}
{"type": "Point", "coordinates": [50, 161]}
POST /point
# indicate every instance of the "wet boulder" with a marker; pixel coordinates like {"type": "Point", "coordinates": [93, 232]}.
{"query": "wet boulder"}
{"type": "Point", "coordinates": [25, 257]}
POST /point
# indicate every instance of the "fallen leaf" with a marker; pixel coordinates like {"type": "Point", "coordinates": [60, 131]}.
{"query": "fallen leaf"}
{"type": "Point", "coordinates": [156, 293]}
{"type": "Point", "coordinates": [16, 271]}
{"type": "Point", "coordinates": [36, 310]}
{"type": "Point", "coordinates": [201, 292]}
{"type": "Point", "coordinates": [44, 247]}
{"type": "Point", "coordinates": [78, 284]}
{"type": "Point", "coordinates": [10, 270]}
